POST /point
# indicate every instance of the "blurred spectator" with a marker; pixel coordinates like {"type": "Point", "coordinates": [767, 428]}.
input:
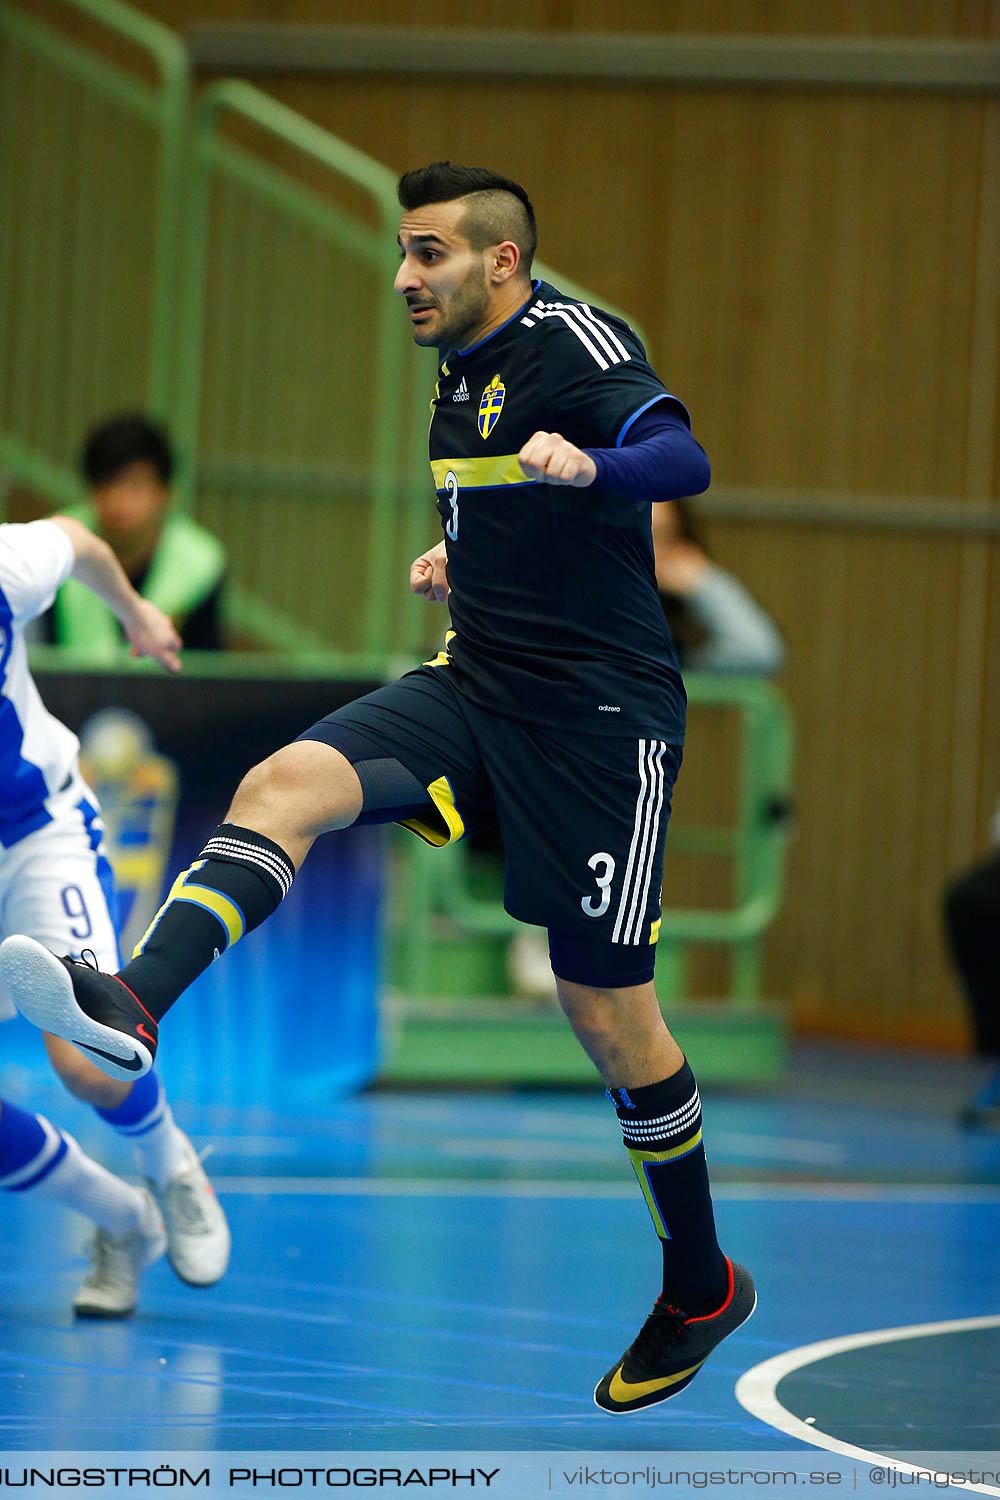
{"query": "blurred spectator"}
{"type": "Point", "coordinates": [715, 624]}
{"type": "Point", "coordinates": [127, 465]}
{"type": "Point", "coordinates": [972, 924]}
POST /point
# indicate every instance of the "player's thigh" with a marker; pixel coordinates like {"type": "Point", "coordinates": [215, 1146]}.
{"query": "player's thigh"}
{"type": "Point", "coordinates": [63, 894]}
{"type": "Point", "coordinates": [416, 755]}
{"type": "Point", "coordinates": [59, 890]}
{"type": "Point", "coordinates": [584, 821]}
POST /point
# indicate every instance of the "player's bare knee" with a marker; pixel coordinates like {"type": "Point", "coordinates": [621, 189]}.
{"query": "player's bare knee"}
{"type": "Point", "coordinates": [80, 1077]}
{"type": "Point", "coordinates": [304, 789]}
{"type": "Point", "coordinates": [590, 1015]}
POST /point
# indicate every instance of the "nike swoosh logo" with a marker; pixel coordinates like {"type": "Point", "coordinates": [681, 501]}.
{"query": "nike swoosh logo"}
{"type": "Point", "coordinates": [622, 1390]}
{"type": "Point", "coordinates": [140, 1030]}
{"type": "Point", "coordinates": [131, 1066]}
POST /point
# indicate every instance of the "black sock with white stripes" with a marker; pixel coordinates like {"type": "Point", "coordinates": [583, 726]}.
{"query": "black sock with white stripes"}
{"type": "Point", "coordinates": [661, 1128]}
{"type": "Point", "coordinates": [234, 885]}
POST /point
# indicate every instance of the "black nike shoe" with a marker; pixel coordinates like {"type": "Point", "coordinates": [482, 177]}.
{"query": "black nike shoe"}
{"type": "Point", "coordinates": [671, 1348]}
{"type": "Point", "coordinates": [95, 1011]}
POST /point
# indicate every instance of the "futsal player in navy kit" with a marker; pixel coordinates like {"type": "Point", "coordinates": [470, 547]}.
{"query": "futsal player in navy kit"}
{"type": "Point", "coordinates": [556, 709]}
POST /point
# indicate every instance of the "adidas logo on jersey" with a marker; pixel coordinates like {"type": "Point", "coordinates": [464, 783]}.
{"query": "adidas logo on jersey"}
{"type": "Point", "coordinates": [462, 394]}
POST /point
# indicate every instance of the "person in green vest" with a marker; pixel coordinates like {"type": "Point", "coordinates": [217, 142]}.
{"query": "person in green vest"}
{"type": "Point", "coordinates": [127, 465]}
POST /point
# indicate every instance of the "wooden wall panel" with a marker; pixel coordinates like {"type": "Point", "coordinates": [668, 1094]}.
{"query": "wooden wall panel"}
{"type": "Point", "coordinates": [804, 267]}
{"type": "Point", "coordinates": [872, 622]}
{"type": "Point", "coordinates": [817, 274]}
{"type": "Point", "coordinates": [966, 19]}
{"type": "Point", "coordinates": [808, 267]}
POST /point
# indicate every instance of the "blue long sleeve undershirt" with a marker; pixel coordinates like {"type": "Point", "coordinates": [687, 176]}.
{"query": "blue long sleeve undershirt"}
{"type": "Point", "coordinates": [659, 459]}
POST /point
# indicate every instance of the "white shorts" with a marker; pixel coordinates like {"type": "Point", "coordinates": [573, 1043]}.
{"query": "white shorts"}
{"type": "Point", "coordinates": [56, 886]}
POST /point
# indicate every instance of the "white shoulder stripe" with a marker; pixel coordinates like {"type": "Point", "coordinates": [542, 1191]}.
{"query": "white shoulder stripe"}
{"type": "Point", "coordinates": [596, 331]}
{"type": "Point", "coordinates": [593, 332]}
{"type": "Point", "coordinates": [585, 340]}
{"type": "Point", "coordinates": [589, 312]}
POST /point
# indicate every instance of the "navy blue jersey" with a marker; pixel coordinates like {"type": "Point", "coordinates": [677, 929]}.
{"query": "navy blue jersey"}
{"type": "Point", "coordinates": [554, 603]}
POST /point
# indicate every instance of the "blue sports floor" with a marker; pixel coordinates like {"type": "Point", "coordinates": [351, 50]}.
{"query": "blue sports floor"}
{"type": "Point", "coordinates": [455, 1271]}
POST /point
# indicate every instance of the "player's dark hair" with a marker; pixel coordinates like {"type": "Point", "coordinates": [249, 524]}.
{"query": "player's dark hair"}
{"type": "Point", "coordinates": [130, 438]}
{"type": "Point", "coordinates": [498, 208]}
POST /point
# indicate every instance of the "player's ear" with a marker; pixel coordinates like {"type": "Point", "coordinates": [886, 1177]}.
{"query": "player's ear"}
{"type": "Point", "coordinates": [503, 262]}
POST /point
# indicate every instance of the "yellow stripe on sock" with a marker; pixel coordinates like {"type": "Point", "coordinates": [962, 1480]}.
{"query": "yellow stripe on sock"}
{"type": "Point", "coordinates": [213, 901]}
{"type": "Point", "coordinates": [230, 919]}
{"type": "Point", "coordinates": [141, 944]}
{"type": "Point", "coordinates": [639, 1159]}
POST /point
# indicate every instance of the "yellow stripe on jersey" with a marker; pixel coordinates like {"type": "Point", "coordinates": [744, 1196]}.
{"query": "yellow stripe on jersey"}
{"type": "Point", "coordinates": [443, 797]}
{"type": "Point", "coordinates": [480, 473]}
{"type": "Point", "coordinates": [654, 931]}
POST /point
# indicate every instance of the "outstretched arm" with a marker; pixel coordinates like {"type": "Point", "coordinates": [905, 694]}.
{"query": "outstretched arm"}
{"type": "Point", "coordinates": [150, 632]}
{"type": "Point", "coordinates": [659, 460]}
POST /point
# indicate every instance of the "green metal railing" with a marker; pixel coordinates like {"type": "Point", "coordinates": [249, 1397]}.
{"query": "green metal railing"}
{"type": "Point", "coordinates": [434, 896]}
{"type": "Point", "coordinates": [272, 244]}
{"type": "Point", "coordinates": [231, 269]}
{"type": "Point", "coordinates": [90, 187]}
{"type": "Point", "coordinates": [260, 321]}
{"type": "Point", "coordinates": [294, 357]}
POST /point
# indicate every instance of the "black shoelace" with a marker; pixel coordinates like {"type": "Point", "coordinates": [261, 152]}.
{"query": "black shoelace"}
{"type": "Point", "coordinates": [662, 1331]}
{"type": "Point", "coordinates": [83, 962]}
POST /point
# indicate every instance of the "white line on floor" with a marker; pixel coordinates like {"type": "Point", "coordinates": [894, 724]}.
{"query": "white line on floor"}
{"type": "Point", "coordinates": [757, 1389]}
{"type": "Point", "coordinates": [449, 1187]}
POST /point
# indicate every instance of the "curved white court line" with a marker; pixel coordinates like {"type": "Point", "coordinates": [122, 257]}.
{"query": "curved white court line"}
{"type": "Point", "coordinates": [756, 1390]}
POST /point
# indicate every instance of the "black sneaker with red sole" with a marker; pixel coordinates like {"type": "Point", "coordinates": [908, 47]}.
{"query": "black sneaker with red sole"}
{"type": "Point", "coordinates": [671, 1348]}
{"type": "Point", "coordinates": [75, 1000]}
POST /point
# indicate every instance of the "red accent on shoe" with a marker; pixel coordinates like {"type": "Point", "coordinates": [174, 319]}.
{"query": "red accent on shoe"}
{"type": "Point", "coordinates": [138, 1002]}
{"type": "Point", "coordinates": [729, 1297]}
{"type": "Point", "coordinates": [140, 1030]}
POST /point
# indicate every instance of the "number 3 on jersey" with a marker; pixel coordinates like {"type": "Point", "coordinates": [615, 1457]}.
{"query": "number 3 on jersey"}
{"type": "Point", "coordinates": [451, 525]}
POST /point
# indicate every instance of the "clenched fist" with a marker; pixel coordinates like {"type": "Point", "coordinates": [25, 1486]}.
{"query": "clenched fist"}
{"type": "Point", "coordinates": [428, 575]}
{"type": "Point", "coordinates": [553, 460]}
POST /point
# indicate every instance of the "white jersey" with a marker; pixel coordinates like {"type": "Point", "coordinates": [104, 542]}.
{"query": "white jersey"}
{"type": "Point", "coordinates": [55, 881]}
{"type": "Point", "coordinates": [39, 776]}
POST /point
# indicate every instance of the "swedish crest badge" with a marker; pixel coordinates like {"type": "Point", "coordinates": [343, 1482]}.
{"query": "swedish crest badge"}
{"type": "Point", "coordinates": [491, 405]}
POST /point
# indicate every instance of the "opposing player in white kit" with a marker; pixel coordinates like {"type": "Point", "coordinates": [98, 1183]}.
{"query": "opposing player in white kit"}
{"type": "Point", "coordinates": [56, 885]}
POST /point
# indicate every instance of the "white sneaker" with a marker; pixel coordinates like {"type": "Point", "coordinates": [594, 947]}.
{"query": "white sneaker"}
{"type": "Point", "coordinates": [111, 1287]}
{"type": "Point", "coordinates": [198, 1240]}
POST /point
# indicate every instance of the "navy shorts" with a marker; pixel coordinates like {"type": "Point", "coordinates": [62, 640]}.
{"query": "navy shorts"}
{"type": "Point", "coordinates": [583, 817]}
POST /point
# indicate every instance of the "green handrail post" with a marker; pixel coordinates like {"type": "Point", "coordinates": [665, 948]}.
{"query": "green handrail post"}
{"type": "Point", "coordinates": [166, 104]}
{"type": "Point", "coordinates": [276, 119]}
{"type": "Point", "coordinates": [171, 59]}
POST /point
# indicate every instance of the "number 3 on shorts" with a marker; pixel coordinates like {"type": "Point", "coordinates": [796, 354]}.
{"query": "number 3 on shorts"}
{"type": "Point", "coordinates": [604, 877]}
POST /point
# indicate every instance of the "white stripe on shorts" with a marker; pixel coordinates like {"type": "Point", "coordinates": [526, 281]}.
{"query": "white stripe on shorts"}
{"type": "Point", "coordinates": [647, 816]}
